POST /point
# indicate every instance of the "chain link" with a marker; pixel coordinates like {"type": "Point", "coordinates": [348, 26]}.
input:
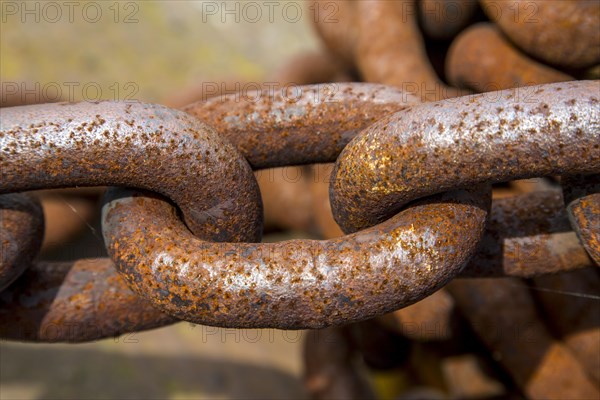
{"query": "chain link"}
{"type": "Point", "coordinates": [410, 187]}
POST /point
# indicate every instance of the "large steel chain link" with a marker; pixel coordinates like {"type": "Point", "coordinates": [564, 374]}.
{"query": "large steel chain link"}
{"type": "Point", "coordinates": [412, 181]}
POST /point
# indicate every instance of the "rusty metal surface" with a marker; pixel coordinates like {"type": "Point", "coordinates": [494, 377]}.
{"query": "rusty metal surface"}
{"type": "Point", "coordinates": [390, 49]}
{"type": "Point", "coordinates": [527, 235]}
{"type": "Point", "coordinates": [294, 284]}
{"type": "Point", "coordinates": [73, 302]}
{"type": "Point", "coordinates": [519, 339]}
{"type": "Point", "coordinates": [491, 137]}
{"type": "Point", "coordinates": [21, 233]}
{"type": "Point", "coordinates": [133, 144]}
{"type": "Point", "coordinates": [582, 196]}
{"type": "Point", "coordinates": [298, 124]}
{"type": "Point", "coordinates": [561, 32]}
{"type": "Point", "coordinates": [481, 59]}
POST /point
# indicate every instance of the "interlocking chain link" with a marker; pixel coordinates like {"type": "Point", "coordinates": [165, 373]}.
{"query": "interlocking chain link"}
{"type": "Point", "coordinates": [474, 140]}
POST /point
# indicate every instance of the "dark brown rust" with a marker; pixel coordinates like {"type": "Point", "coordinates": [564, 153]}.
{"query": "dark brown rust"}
{"type": "Point", "coordinates": [570, 301]}
{"type": "Point", "coordinates": [74, 302]}
{"type": "Point", "coordinates": [138, 145]}
{"type": "Point", "coordinates": [502, 312]}
{"type": "Point", "coordinates": [481, 59]}
{"type": "Point", "coordinates": [293, 284]}
{"type": "Point", "coordinates": [492, 137]}
{"type": "Point", "coordinates": [527, 235]}
{"type": "Point", "coordinates": [444, 19]}
{"type": "Point", "coordinates": [582, 196]}
{"type": "Point", "coordinates": [21, 233]}
{"type": "Point", "coordinates": [560, 32]}
{"type": "Point", "coordinates": [299, 124]}
{"type": "Point", "coordinates": [391, 49]}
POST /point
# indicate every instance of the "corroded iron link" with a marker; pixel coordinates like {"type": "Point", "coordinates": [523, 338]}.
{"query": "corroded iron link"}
{"type": "Point", "coordinates": [302, 124]}
{"type": "Point", "coordinates": [136, 145]}
{"type": "Point", "coordinates": [307, 283]}
{"type": "Point", "coordinates": [558, 32]}
{"type": "Point", "coordinates": [292, 284]}
{"type": "Point", "coordinates": [492, 137]}
{"type": "Point", "coordinates": [21, 232]}
{"type": "Point", "coordinates": [528, 235]}
{"type": "Point", "coordinates": [582, 196]}
{"type": "Point", "coordinates": [74, 302]}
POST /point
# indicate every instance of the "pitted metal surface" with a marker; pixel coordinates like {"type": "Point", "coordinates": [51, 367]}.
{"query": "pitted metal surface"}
{"type": "Point", "coordinates": [582, 197]}
{"type": "Point", "coordinates": [74, 302]}
{"type": "Point", "coordinates": [294, 284]}
{"type": "Point", "coordinates": [299, 124]}
{"type": "Point", "coordinates": [137, 145]}
{"type": "Point", "coordinates": [492, 137]}
{"type": "Point", "coordinates": [21, 233]}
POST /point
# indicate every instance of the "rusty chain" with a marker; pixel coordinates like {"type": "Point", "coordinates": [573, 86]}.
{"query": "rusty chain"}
{"type": "Point", "coordinates": [391, 162]}
{"type": "Point", "coordinates": [410, 186]}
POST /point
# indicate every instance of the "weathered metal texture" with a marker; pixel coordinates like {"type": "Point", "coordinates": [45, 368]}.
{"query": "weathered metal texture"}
{"type": "Point", "coordinates": [381, 348]}
{"type": "Point", "coordinates": [133, 144]}
{"type": "Point", "coordinates": [391, 49]}
{"type": "Point", "coordinates": [563, 32]}
{"type": "Point", "coordinates": [582, 196]}
{"type": "Point", "coordinates": [299, 124]}
{"type": "Point", "coordinates": [527, 235]}
{"type": "Point", "coordinates": [443, 19]}
{"type": "Point", "coordinates": [335, 22]}
{"type": "Point", "coordinates": [492, 137]}
{"type": "Point", "coordinates": [519, 340]}
{"type": "Point", "coordinates": [329, 370]}
{"type": "Point", "coordinates": [21, 233]}
{"type": "Point", "coordinates": [570, 301]}
{"type": "Point", "coordinates": [74, 302]}
{"type": "Point", "coordinates": [480, 58]}
{"type": "Point", "coordinates": [293, 284]}
{"type": "Point", "coordinates": [431, 319]}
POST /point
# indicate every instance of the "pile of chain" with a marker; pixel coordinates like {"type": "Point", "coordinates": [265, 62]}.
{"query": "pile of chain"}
{"type": "Point", "coordinates": [411, 189]}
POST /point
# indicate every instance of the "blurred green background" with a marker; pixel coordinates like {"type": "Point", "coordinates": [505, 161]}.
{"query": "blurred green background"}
{"type": "Point", "coordinates": [150, 51]}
